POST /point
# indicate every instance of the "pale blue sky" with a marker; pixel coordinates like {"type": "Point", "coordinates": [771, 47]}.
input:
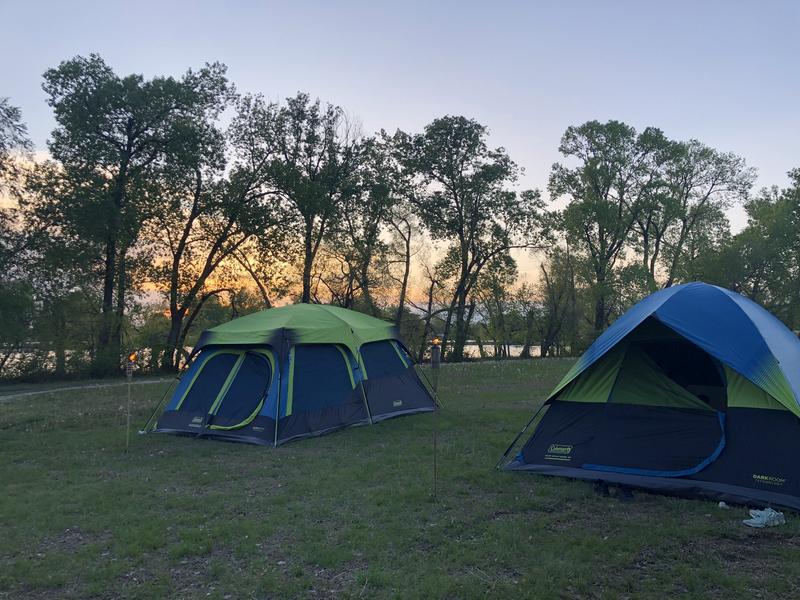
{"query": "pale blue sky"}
{"type": "Point", "coordinates": [727, 73]}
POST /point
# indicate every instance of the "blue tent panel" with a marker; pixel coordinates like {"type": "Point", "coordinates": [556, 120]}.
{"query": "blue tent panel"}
{"type": "Point", "coordinates": [782, 343]}
{"type": "Point", "coordinates": [729, 327]}
{"type": "Point", "coordinates": [381, 359]}
{"type": "Point", "coordinates": [321, 378]}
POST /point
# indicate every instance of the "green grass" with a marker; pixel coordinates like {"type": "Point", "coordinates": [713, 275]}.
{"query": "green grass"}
{"type": "Point", "coordinates": [349, 514]}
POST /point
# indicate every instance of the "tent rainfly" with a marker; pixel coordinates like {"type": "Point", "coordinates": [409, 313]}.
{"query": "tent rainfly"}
{"type": "Point", "coordinates": [293, 372]}
{"type": "Point", "coordinates": [695, 391]}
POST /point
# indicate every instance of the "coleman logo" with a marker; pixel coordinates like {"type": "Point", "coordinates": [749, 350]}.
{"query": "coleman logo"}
{"type": "Point", "coordinates": [258, 429]}
{"type": "Point", "coordinates": [397, 403]}
{"type": "Point", "coordinates": [769, 479]}
{"type": "Point", "coordinates": [558, 452]}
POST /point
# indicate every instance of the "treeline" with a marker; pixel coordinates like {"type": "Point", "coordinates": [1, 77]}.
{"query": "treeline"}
{"type": "Point", "coordinates": [171, 204]}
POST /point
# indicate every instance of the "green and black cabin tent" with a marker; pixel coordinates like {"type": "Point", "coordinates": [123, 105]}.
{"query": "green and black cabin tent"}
{"type": "Point", "coordinates": [695, 391]}
{"type": "Point", "coordinates": [292, 372]}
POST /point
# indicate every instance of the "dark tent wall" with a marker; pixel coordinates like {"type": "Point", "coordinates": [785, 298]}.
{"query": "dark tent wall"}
{"type": "Point", "coordinates": [626, 415]}
{"type": "Point", "coordinates": [391, 385]}
{"type": "Point", "coordinates": [322, 392]}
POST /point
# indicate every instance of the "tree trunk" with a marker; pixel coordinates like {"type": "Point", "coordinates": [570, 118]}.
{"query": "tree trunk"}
{"type": "Point", "coordinates": [600, 314]}
{"type": "Point", "coordinates": [106, 359]}
{"type": "Point", "coordinates": [119, 313]}
{"type": "Point", "coordinates": [427, 327]}
{"type": "Point", "coordinates": [308, 263]}
{"type": "Point", "coordinates": [501, 325]}
{"type": "Point", "coordinates": [170, 359]}
{"type": "Point", "coordinates": [526, 348]}
{"type": "Point", "coordinates": [398, 317]}
{"type": "Point", "coordinates": [59, 347]}
{"type": "Point", "coordinates": [457, 355]}
{"type": "Point", "coordinates": [481, 349]}
{"type": "Point", "coordinates": [600, 302]}
{"type": "Point", "coordinates": [365, 293]}
{"type": "Point", "coordinates": [673, 267]}
{"type": "Point", "coordinates": [102, 364]}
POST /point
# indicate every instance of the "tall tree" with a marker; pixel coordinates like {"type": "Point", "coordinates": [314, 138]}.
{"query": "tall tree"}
{"type": "Point", "coordinates": [657, 209]}
{"type": "Point", "coordinates": [14, 143]}
{"type": "Point", "coordinates": [763, 260]}
{"type": "Point", "coordinates": [403, 229]}
{"type": "Point", "coordinates": [15, 147]}
{"type": "Point", "coordinates": [494, 298]}
{"type": "Point", "coordinates": [373, 236]}
{"type": "Point", "coordinates": [356, 236]}
{"type": "Point", "coordinates": [204, 218]}
{"type": "Point", "coordinates": [110, 131]}
{"type": "Point", "coordinates": [16, 298]}
{"type": "Point", "coordinates": [556, 321]}
{"type": "Point", "coordinates": [314, 156]}
{"type": "Point", "coordinates": [466, 203]}
{"type": "Point", "coordinates": [605, 192]}
{"type": "Point", "coordinates": [702, 183]}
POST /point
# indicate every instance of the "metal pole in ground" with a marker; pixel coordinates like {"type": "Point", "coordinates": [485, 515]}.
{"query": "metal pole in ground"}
{"type": "Point", "coordinates": [436, 358]}
{"type": "Point", "coordinates": [129, 364]}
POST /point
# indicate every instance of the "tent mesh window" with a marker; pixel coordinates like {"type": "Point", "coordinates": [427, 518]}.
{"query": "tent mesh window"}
{"type": "Point", "coordinates": [208, 382]}
{"type": "Point", "coordinates": [246, 393]}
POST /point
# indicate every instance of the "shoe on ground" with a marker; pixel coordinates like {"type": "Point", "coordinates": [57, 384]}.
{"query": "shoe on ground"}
{"type": "Point", "coordinates": [765, 518]}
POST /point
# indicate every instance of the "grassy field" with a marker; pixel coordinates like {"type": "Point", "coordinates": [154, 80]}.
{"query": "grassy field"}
{"type": "Point", "coordinates": [349, 514]}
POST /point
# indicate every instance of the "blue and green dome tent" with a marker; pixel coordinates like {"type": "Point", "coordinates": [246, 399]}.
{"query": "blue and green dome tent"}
{"type": "Point", "coordinates": [293, 372]}
{"type": "Point", "coordinates": [695, 391]}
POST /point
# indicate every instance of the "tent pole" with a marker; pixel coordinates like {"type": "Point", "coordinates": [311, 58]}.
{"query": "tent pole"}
{"type": "Point", "coordinates": [519, 435]}
{"type": "Point", "coordinates": [363, 374]}
{"type": "Point", "coordinates": [282, 358]}
{"type": "Point", "coordinates": [278, 407]}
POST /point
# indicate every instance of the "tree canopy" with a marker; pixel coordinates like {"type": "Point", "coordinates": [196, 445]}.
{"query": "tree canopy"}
{"type": "Point", "coordinates": [171, 203]}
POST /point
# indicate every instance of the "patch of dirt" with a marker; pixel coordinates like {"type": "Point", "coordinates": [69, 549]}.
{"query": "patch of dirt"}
{"type": "Point", "coordinates": [325, 582]}
{"type": "Point", "coordinates": [69, 540]}
{"type": "Point", "coordinates": [331, 583]}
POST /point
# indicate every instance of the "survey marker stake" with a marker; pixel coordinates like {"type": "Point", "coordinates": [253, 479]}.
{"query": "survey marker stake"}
{"type": "Point", "coordinates": [436, 359]}
{"type": "Point", "coordinates": [130, 363]}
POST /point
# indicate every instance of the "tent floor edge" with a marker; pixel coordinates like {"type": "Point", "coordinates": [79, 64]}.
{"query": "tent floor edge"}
{"type": "Point", "coordinates": [671, 486]}
{"type": "Point", "coordinates": [320, 432]}
{"type": "Point", "coordinates": [402, 413]}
